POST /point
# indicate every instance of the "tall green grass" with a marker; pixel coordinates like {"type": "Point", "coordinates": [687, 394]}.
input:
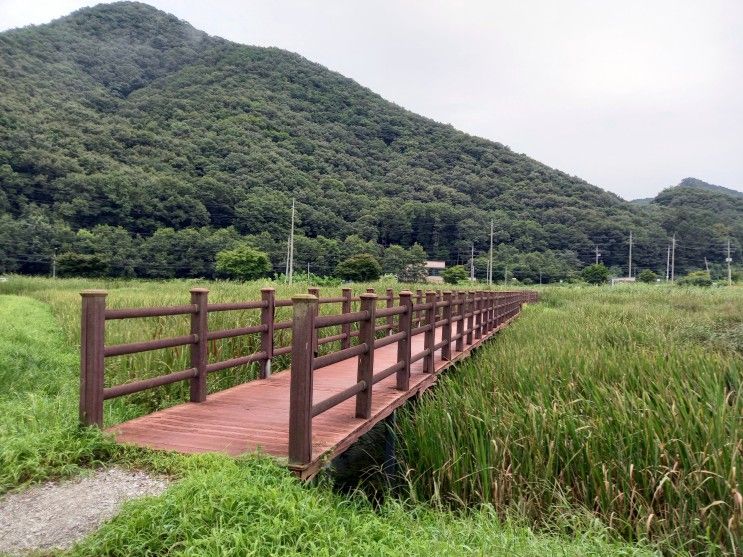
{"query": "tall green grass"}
{"type": "Point", "coordinates": [64, 299]}
{"type": "Point", "coordinates": [251, 507]}
{"type": "Point", "coordinates": [623, 401]}
{"type": "Point", "coordinates": [218, 505]}
{"type": "Point", "coordinates": [39, 437]}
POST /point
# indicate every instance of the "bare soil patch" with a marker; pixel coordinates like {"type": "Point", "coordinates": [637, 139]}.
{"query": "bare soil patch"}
{"type": "Point", "coordinates": [55, 515]}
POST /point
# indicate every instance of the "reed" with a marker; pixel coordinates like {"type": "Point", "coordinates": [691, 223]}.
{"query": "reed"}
{"type": "Point", "coordinates": [626, 402]}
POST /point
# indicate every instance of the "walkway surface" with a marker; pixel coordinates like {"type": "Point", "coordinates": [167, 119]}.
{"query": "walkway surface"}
{"type": "Point", "coordinates": [255, 416]}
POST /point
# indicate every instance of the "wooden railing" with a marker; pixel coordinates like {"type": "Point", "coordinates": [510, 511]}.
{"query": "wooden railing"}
{"type": "Point", "coordinates": [464, 317]}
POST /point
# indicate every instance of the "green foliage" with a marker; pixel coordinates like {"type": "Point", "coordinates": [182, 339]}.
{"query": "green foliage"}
{"type": "Point", "coordinates": [647, 276]}
{"type": "Point", "coordinates": [595, 274]}
{"type": "Point", "coordinates": [243, 263]}
{"type": "Point", "coordinates": [359, 268]}
{"type": "Point", "coordinates": [39, 379]}
{"type": "Point", "coordinates": [219, 505]}
{"type": "Point", "coordinates": [81, 265]}
{"type": "Point", "coordinates": [414, 272]}
{"type": "Point", "coordinates": [141, 123]}
{"type": "Point", "coordinates": [626, 402]}
{"type": "Point", "coordinates": [695, 278]}
{"type": "Point", "coordinates": [455, 274]}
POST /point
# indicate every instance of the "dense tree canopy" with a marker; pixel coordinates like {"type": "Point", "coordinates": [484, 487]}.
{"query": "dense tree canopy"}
{"type": "Point", "coordinates": [130, 135]}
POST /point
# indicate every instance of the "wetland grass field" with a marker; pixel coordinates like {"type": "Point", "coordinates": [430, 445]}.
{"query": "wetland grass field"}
{"type": "Point", "coordinates": [605, 421]}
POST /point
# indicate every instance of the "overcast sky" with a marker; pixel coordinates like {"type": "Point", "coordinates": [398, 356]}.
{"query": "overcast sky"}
{"type": "Point", "coordinates": [631, 96]}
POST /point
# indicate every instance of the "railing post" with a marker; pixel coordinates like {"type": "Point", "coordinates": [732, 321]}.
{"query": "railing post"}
{"type": "Point", "coordinates": [316, 293]}
{"type": "Point", "coordinates": [491, 312]}
{"type": "Point", "coordinates": [365, 370]}
{"type": "Point", "coordinates": [390, 318]}
{"type": "Point", "coordinates": [92, 338]}
{"type": "Point", "coordinates": [300, 390]}
{"type": "Point", "coordinates": [459, 343]}
{"type": "Point", "coordinates": [404, 345]}
{"type": "Point", "coordinates": [478, 319]}
{"type": "Point", "coordinates": [199, 349]}
{"type": "Point", "coordinates": [418, 300]}
{"type": "Point", "coordinates": [346, 327]}
{"type": "Point", "coordinates": [268, 295]}
{"type": "Point", "coordinates": [446, 329]}
{"type": "Point", "coordinates": [470, 309]}
{"type": "Point", "coordinates": [429, 338]}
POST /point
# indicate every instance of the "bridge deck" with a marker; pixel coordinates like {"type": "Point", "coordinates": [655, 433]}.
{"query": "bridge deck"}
{"type": "Point", "coordinates": [255, 416]}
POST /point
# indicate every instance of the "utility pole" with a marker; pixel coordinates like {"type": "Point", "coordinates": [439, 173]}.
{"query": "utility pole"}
{"type": "Point", "coordinates": [490, 262]}
{"type": "Point", "coordinates": [54, 263]}
{"type": "Point", "coordinates": [505, 274]}
{"type": "Point", "coordinates": [706, 264]}
{"type": "Point", "coordinates": [597, 254]}
{"type": "Point", "coordinates": [290, 258]}
{"type": "Point", "coordinates": [729, 260]}
{"type": "Point", "coordinates": [540, 276]}
{"type": "Point", "coordinates": [472, 262]}
{"type": "Point", "coordinates": [673, 258]}
{"type": "Point", "coordinates": [629, 271]}
{"type": "Point", "coordinates": [668, 262]}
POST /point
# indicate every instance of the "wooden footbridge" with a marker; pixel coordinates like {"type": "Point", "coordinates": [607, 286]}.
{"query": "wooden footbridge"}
{"type": "Point", "coordinates": [315, 410]}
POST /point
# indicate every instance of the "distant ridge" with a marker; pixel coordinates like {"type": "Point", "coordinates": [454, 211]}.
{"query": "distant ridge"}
{"type": "Point", "coordinates": [702, 185]}
{"type": "Point", "coordinates": [697, 184]}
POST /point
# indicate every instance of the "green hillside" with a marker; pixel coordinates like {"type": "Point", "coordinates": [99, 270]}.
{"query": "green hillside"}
{"type": "Point", "coordinates": [702, 185]}
{"type": "Point", "coordinates": [126, 133]}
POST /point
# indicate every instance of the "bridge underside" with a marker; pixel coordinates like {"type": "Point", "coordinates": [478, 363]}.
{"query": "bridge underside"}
{"type": "Point", "coordinates": [254, 416]}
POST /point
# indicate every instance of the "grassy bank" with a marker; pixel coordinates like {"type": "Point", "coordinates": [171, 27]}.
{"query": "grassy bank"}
{"type": "Point", "coordinates": [623, 401]}
{"type": "Point", "coordinates": [220, 506]}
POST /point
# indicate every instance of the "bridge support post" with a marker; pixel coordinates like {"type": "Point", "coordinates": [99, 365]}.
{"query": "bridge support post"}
{"type": "Point", "coordinates": [404, 345]}
{"type": "Point", "coordinates": [461, 311]}
{"type": "Point", "coordinates": [92, 333]}
{"type": "Point", "coordinates": [199, 349]}
{"type": "Point", "coordinates": [365, 371]}
{"type": "Point", "coordinates": [446, 329]}
{"type": "Point", "coordinates": [346, 327]}
{"type": "Point", "coordinates": [300, 390]}
{"type": "Point", "coordinates": [268, 295]}
{"type": "Point", "coordinates": [429, 338]}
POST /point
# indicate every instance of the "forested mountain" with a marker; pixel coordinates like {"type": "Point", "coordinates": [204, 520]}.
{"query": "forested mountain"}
{"type": "Point", "coordinates": [127, 133]}
{"type": "Point", "coordinates": [701, 185]}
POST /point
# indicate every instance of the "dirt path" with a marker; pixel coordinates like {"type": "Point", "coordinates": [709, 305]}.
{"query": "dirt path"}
{"type": "Point", "coordinates": [57, 514]}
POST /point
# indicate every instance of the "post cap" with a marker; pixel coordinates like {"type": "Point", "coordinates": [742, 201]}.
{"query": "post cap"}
{"type": "Point", "coordinates": [368, 295]}
{"type": "Point", "coordinates": [268, 289]}
{"type": "Point", "coordinates": [93, 292]}
{"type": "Point", "coordinates": [304, 298]}
{"type": "Point", "coordinates": [199, 290]}
{"type": "Point", "coordinates": [405, 293]}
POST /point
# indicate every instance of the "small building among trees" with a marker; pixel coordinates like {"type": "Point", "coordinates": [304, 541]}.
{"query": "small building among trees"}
{"type": "Point", "coordinates": [434, 270]}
